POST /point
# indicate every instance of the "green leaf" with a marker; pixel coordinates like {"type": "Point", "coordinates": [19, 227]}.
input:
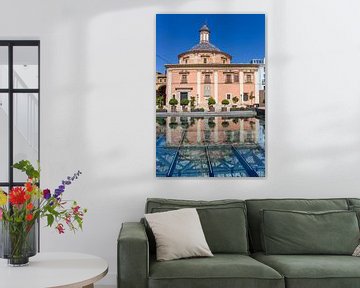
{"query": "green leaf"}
{"type": "Point", "coordinates": [28, 168]}
{"type": "Point", "coordinates": [50, 219]}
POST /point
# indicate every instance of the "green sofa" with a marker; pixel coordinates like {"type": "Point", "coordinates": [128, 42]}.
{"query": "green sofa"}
{"type": "Point", "coordinates": [233, 230]}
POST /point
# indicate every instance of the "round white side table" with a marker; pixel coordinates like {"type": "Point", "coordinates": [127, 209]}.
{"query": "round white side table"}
{"type": "Point", "coordinates": [50, 270]}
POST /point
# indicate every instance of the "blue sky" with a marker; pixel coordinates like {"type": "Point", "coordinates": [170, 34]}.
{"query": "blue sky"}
{"type": "Point", "coordinates": [240, 35]}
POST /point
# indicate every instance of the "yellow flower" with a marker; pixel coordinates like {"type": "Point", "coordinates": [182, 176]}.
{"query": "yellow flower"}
{"type": "Point", "coordinates": [3, 198]}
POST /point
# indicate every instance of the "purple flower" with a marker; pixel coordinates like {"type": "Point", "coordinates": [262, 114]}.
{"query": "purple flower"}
{"type": "Point", "coordinates": [46, 194]}
{"type": "Point", "coordinates": [64, 183]}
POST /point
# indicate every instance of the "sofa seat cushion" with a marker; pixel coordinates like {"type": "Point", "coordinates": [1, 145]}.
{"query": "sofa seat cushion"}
{"type": "Point", "coordinates": [314, 271]}
{"type": "Point", "coordinates": [222, 270]}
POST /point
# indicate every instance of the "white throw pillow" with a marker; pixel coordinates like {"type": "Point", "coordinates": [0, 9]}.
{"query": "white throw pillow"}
{"type": "Point", "coordinates": [357, 251]}
{"type": "Point", "coordinates": [178, 234]}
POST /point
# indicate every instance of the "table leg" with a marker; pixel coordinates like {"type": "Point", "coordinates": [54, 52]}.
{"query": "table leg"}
{"type": "Point", "coordinates": [89, 286]}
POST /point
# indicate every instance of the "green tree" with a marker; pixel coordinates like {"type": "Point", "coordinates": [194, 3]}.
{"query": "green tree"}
{"type": "Point", "coordinates": [211, 101]}
{"type": "Point", "coordinates": [184, 102]}
{"type": "Point", "coordinates": [225, 102]}
{"type": "Point", "coordinates": [173, 102]}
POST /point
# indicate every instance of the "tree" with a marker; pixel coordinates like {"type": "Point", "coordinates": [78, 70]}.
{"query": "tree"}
{"type": "Point", "coordinates": [225, 102]}
{"type": "Point", "coordinates": [211, 102]}
{"type": "Point", "coordinates": [173, 102]}
{"type": "Point", "coordinates": [235, 100]}
{"type": "Point", "coordinates": [161, 96]}
{"type": "Point", "coordinates": [184, 102]}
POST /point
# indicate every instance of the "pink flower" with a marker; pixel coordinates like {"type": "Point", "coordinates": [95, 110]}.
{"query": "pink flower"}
{"type": "Point", "coordinates": [1, 213]}
{"type": "Point", "coordinates": [76, 210]}
{"type": "Point", "coordinates": [60, 228]}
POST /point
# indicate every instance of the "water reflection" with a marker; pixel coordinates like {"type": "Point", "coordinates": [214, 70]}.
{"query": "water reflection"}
{"type": "Point", "coordinates": [210, 146]}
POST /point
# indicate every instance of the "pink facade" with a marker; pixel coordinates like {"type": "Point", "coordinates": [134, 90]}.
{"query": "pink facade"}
{"type": "Point", "coordinates": [205, 71]}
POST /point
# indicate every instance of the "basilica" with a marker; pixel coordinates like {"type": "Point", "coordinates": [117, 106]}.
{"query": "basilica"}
{"type": "Point", "coordinates": [205, 71]}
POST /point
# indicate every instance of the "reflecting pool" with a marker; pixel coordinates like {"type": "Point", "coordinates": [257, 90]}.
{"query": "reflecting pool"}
{"type": "Point", "coordinates": [210, 147]}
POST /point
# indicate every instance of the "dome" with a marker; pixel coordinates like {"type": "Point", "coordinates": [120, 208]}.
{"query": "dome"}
{"type": "Point", "coordinates": [204, 28]}
{"type": "Point", "coordinates": [204, 46]}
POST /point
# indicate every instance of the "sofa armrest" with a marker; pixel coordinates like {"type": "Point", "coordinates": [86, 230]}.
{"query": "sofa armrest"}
{"type": "Point", "coordinates": [133, 256]}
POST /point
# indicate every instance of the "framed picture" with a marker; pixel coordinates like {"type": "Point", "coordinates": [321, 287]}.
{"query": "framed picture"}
{"type": "Point", "coordinates": [210, 95]}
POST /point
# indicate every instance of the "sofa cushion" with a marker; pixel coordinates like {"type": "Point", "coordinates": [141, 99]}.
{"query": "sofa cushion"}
{"type": "Point", "coordinates": [356, 209]}
{"type": "Point", "coordinates": [183, 240]}
{"type": "Point", "coordinates": [353, 201]}
{"type": "Point", "coordinates": [223, 221]}
{"type": "Point", "coordinates": [314, 271]}
{"type": "Point", "coordinates": [254, 217]}
{"type": "Point", "coordinates": [222, 270]}
{"type": "Point", "coordinates": [297, 232]}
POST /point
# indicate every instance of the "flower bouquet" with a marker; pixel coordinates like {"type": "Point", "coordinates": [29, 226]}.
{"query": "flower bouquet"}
{"type": "Point", "coordinates": [21, 208]}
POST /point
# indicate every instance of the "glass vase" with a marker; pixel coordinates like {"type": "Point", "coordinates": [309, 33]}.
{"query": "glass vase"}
{"type": "Point", "coordinates": [18, 242]}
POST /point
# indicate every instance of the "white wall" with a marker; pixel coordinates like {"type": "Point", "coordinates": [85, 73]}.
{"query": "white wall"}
{"type": "Point", "coordinates": [93, 55]}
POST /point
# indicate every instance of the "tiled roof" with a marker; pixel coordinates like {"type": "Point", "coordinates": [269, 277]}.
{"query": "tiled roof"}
{"type": "Point", "coordinates": [204, 46]}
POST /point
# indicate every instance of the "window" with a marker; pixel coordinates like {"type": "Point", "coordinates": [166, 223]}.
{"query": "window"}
{"type": "Point", "coordinates": [228, 96]}
{"type": "Point", "coordinates": [236, 78]}
{"type": "Point", "coordinates": [185, 61]}
{"type": "Point", "coordinates": [19, 108]}
{"type": "Point", "coordinates": [248, 78]}
{"type": "Point", "coordinates": [207, 79]}
{"type": "Point", "coordinates": [228, 78]}
{"type": "Point", "coordinates": [183, 95]}
{"type": "Point", "coordinates": [183, 78]}
{"type": "Point", "coordinates": [224, 61]}
{"type": "Point", "coordinates": [207, 90]}
{"type": "Point", "coordinates": [205, 60]}
{"type": "Point", "coordinates": [246, 97]}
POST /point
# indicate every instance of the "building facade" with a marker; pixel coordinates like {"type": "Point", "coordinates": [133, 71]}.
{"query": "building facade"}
{"type": "Point", "coordinates": [160, 80]}
{"type": "Point", "coordinates": [205, 71]}
{"type": "Point", "coordinates": [261, 80]}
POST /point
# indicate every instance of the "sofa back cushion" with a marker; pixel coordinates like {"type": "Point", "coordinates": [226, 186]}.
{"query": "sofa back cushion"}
{"type": "Point", "coordinates": [255, 206]}
{"type": "Point", "coordinates": [353, 201]}
{"type": "Point", "coordinates": [298, 232]}
{"type": "Point", "coordinates": [223, 221]}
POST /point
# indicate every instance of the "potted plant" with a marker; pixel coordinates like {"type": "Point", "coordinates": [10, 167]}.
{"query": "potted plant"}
{"type": "Point", "coordinates": [184, 103]}
{"type": "Point", "coordinates": [211, 103]}
{"type": "Point", "coordinates": [224, 102]}
{"type": "Point", "coordinates": [23, 206]}
{"type": "Point", "coordinates": [173, 102]}
{"type": "Point", "coordinates": [235, 100]}
{"type": "Point", "coordinates": [160, 104]}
